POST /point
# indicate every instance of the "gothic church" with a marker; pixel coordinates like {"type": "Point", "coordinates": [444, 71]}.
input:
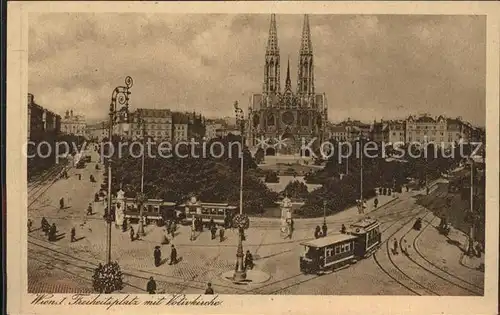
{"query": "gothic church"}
{"type": "Point", "coordinates": [291, 116]}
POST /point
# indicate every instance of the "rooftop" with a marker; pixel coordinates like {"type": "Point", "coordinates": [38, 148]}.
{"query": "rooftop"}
{"type": "Point", "coordinates": [328, 240]}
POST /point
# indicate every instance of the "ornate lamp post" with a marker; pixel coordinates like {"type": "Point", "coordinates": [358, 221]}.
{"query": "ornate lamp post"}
{"type": "Point", "coordinates": [141, 198]}
{"type": "Point", "coordinates": [241, 220]}
{"type": "Point", "coordinates": [119, 97]}
{"type": "Point", "coordinates": [361, 200]}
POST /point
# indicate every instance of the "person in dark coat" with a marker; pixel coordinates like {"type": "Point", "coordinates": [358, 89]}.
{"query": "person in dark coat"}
{"type": "Point", "coordinates": [132, 235]}
{"type": "Point", "coordinates": [61, 203]}
{"type": "Point", "coordinates": [45, 226]}
{"type": "Point", "coordinates": [343, 229]}
{"type": "Point", "coordinates": [96, 197]}
{"type": "Point", "coordinates": [375, 202]}
{"type": "Point", "coordinates": [173, 256]}
{"type": "Point", "coordinates": [73, 235]}
{"type": "Point", "coordinates": [248, 260]}
{"type": "Point", "coordinates": [213, 230]}
{"type": "Point", "coordinates": [89, 209]}
{"type": "Point", "coordinates": [157, 256]}
{"type": "Point", "coordinates": [317, 232]}
{"type": "Point", "coordinates": [151, 286]}
{"type": "Point", "coordinates": [212, 223]}
{"type": "Point", "coordinates": [52, 232]}
{"type": "Point", "coordinates": [221, 234]}
{"type": "Point", "coordinates": [209, 289]}
{"type": "Point", "coordinates": [30, 225]}
{"type": "Point", "coordinates": [395, 247]}
{"type": "Point", "coordinates": [324, 229]}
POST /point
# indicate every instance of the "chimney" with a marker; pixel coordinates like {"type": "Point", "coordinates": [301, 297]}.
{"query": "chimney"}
{"type": "Point", "coordinates": [31, 99]}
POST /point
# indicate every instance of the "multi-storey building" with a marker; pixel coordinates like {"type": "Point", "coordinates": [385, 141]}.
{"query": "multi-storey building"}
{"type": "Point", "coordinates": [156, 123]}
{"type": "Point", "coordinates": [41, 121]}
{"type": "Point", "coordinates": [43, 126]}
{"type": "Point", "coordinates": [425, 129]}
{"type": "Point", "coordinates": [291, 116]}
{"type": "Point", "coordinates": [73, 124]}
{"type": "Point", "coordinates": [338, 133]}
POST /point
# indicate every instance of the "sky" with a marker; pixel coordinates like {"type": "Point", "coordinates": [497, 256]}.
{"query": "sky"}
{"type": "Point", "coordinates": [369, 66]}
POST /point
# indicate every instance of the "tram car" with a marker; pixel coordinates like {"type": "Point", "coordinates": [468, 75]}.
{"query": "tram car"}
{"type": "Point", "coordinates": [337, 251]}
{"type": "Point", "coordinates": [155, 210]}
{"type": "Point", "coordinates": [220, 213]}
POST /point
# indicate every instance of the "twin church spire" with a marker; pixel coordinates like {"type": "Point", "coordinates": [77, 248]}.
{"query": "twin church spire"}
{"type": "Point", "coordinates": [305, 79]}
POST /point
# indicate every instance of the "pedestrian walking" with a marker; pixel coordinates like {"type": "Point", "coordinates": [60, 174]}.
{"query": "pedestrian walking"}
{"type": "Point", "coordinates": [324, 229]}
{"type": "Point", "coordinates": [221, 234]}
{"type": "Point", "coordinates": [375, 202]}
{"type": "Point", "coordinates": [157, 256]}
{"type": "Point", "coordinates": [395, 247]}
{"type": "Point", "coordinates": [404, 248]}
{"type": "Point", "coordinates": [172, 229]}
{"type": "Point", "coordinates": [79, 176]}
{"type": "Point", "coordinates": [52, 232]}
{"type": "Point", "coordinates": [173, 255]}
{"type": "Point", "coordinates": [213, 231]}
{"type": "Point", "coordinates": [317, 232]}
{"type": "Point", "coordinates": [132, 235]}
{"type": "Point", "coordinates": [248, 260]}
{"type": "Point", "coordinates": [151, 286]}
{"type": "Point", "coordinates": [45, 226]}
{"type": "Point", "coordinates": [343, 229]}
{"type": "Point", "coordinates": [209, 289]}
{"type": "Point", "coordinates": [73, 234]}
{"type": "Point", "coordinates": [30, 225]}
{"type": "Point", "coordinates": [89, 209]}
{"type": "Point", "coordinates": [61, 203]}
{"type": "Point", "coordinates": [124, 225]}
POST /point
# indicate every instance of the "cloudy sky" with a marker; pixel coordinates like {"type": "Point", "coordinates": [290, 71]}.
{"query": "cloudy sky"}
{"type": "Point", "coordinates": [370, 67]}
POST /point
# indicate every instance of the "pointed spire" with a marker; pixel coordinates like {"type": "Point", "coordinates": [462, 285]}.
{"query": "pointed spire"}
{"type": "Point", "coordinates": [288, 82]}
{"type": "Point", "coordinates": [272, 42]}
{"type": "Point", "coordinates": [306, 44]}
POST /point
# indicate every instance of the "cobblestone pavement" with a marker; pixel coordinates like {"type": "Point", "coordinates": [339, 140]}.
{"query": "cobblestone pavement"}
{"type": "Point", "coordinates": [63, 266]}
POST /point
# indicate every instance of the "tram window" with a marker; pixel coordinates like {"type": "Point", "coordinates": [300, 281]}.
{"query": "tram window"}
{"type": "Point", "coordinates": [347, 247]}
{"type": "Point", "coordinates": [213, 211]}
{"type": "Point", "coordinates": [205, 211]}
{"type": "Point", "coordinates": [337, 249]}
{"type": "Point", "coordinates": [150, 208]}
{"type": "Point", "coordinates": [329, 252]}
{"type": "Point", "coordinates": [220, 211]}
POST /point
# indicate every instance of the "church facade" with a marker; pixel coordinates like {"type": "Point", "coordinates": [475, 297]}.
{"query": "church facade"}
{"type": "Point", "coordinates": [284, 116]}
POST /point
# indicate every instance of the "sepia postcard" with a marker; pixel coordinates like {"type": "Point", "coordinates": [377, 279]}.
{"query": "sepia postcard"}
{"type": "Point", "coordinates": [253, 157]}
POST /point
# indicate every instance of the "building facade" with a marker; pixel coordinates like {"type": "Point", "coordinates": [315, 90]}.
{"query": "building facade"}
{"type": "Point", "coordinates": [424, 129]}
{"type": "Point", "coordinates": [284, 114]}
{"type": "Point", "coordinates": [155, 123]}
{"type": "Point", "coordinates": [73, 124]}
{"type": "Point", "coordinates": [41, 121]}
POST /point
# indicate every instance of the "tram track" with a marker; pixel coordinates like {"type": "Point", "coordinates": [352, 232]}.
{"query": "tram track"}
{"type": "Point", "coordinates": [301, 278]}
{"type": "Point", "coordinates": [87, 265]}
{"type": "Point", "coordinates": [422, 286]}
{"type": "Point", "coordinates": [39, 188]}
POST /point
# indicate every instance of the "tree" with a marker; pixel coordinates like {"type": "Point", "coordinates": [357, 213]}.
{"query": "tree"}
{"type": "Point", "coordinates": [296, 190]}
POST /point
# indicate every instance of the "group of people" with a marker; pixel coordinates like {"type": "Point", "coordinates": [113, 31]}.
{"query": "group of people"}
{"type": "Point", "coordinates": [157, 256]}
{"type": "Point", "coordinates": [151, 287]}
{"type": "Point", "coordinates": [321, 231]}
{"type": "Point", "coordinates": [49, 230]}
{"type": "Point", "coordinates": [197, 226]}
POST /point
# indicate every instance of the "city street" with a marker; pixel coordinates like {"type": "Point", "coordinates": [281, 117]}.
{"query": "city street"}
{"type": "Point", "coordinates": [434, 264]}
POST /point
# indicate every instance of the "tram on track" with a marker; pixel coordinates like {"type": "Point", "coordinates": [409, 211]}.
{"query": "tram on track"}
{"type": "Point", "coordinates": [337, 251]}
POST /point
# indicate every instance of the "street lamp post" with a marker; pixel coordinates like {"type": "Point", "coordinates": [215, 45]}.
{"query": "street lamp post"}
{"type": "Point", "coordinates": [120, 97]}
{"type": "Point", "coordinates": [142, 197]}
{"type": "Point", "coordinates": [361, 200]}
{"type": "Point", "coordinates": [241, 221]}
{"type": "Point", "coordinates": [470, 249]}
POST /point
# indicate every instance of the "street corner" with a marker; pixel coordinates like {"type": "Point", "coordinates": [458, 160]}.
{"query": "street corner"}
{"type": "Point", "coordinates": [472, 262]}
